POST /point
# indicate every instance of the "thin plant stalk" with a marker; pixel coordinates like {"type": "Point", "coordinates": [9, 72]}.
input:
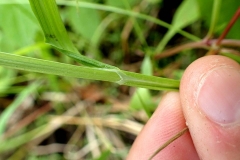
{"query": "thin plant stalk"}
{"type": "Point", "coordinates": [215, 13]}
{"type": "Point", "coordinates": [179, 134]}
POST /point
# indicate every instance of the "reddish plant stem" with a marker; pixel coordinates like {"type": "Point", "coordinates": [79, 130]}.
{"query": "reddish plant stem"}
{"type": "Point", "coordinates": [215, 49]}
{"type": "Point", "coordinates": [177, 49]}
{"type": "Point", "coordinates": [229, 50]}
{"type": "Point", "coordinates": [199, 44]}
{"type": "Point", "coordinates": [229, 26]}
{"type": "Point", "coordinates": [179, 134]}
{"type": "Point", "coordinates": [205, 43]}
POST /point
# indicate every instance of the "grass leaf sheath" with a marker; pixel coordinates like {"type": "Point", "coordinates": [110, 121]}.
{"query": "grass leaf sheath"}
{"type": "Point", "coordinates": [62, 69]}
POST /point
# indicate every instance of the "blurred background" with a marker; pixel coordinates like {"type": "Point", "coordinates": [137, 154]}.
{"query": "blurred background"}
{"type": "Point", "coordinates": [52, 117]}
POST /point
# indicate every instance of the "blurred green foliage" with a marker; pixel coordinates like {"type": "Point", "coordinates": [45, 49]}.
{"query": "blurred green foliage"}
{"type": "Point", "coordinates": [227, 10]}
{"type": "Point", "coordinates": [18, 26]}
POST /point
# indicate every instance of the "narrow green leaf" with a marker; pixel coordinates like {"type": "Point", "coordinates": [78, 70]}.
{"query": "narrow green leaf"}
{"type": "Point", "coordinates": [186, 14]}
{"type": "Point", "coordinates": [104, 74]}
{"type": "Point", "coordinates": [146, 67]}
{"type": "Point", "coordinates": [142, 100]}
{"type": "Point", "coordinates": [55, 68]}
{"type": "Point", "coordinates": [55, 33]}
{"type": "Point", "coordinates": [48, 16]}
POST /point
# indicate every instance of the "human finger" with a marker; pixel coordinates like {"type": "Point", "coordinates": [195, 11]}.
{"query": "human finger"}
{"type": "Point", "coordinates": [210, 96]}
{"type": "Point", "coordinates": [166, 122]}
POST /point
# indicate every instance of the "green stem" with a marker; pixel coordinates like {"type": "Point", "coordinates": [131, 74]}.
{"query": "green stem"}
{"type": "Point", "coordinates": [103, 74]}
{"type": "Point", "coordinates": [215, 13]}
{"type": "Point", "coordinates": [229, 26]}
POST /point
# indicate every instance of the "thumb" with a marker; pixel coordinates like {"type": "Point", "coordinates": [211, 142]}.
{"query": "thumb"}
{"type": "Point", "coordinates": [210, 97]}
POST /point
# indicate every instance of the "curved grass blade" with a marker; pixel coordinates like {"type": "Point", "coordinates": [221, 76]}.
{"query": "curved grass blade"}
{"type": "Point", "coordinates": [55, 33]}
{"type": "Point", "coordinates": [128, 13]}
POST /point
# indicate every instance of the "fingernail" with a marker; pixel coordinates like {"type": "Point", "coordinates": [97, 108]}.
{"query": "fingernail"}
{"type": "Point", "coordinates": [219, 95]}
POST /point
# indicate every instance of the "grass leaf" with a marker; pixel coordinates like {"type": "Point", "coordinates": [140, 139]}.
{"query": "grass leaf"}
{"type": "Point", "coordinates": [62, 69]}
{"type": "Point", "coordinates": [55, 33]}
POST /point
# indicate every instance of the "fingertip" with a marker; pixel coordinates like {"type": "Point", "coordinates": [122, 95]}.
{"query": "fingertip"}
{"type": "Point", "coordinates": [166, 122]}
{"type": "Point", "coordinates": [210, 94]}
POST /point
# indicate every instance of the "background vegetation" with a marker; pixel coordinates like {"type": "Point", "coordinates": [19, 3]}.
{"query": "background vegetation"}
{"type": "Point", "coordinates": [55, 117]}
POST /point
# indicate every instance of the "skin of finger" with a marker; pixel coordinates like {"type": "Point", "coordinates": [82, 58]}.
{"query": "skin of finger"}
{"type": "Point", "coordinates": [166, 122]}
{"type": "Point", "coordinates": [212, 141]}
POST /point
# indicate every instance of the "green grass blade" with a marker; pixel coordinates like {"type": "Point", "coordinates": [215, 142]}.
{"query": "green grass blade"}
{"type": "Point", "coordinates": [15, 104]}
{"type": "Point", "coordinates": [145, 81]}
{"type": "Point", "coordinates": [111, 75]}
{"type": "Point", "coordinates": [56, 68]}
{"type": "Point", "coordinates": [55, 33]}
{"type": "Point", "coordinates": [128, 13]}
